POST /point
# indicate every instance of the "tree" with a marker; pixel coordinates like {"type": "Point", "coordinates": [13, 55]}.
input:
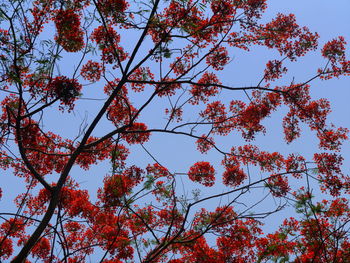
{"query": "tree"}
{"type": "Point", "coordinates": [158, 65]}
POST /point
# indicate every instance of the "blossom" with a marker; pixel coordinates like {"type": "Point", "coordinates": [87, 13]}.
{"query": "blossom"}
{"type": "Point", "coordinates": [203, 173]}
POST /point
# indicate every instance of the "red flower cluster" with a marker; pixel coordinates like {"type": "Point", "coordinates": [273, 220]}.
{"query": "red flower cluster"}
{"type": "Point", "coordinates": [233, 176]}
{"type": "Point", "coordinates": [91, 71]}
{"type": "Point", "coordinates": [115, 187]}
{"type": "Point", "coordinates": [113, 8]}
{"type": "Point", "coordinates": [203, 173]}
{"type": "Point", "coordinates": [329, 168]}
{"type": "Point", "coordinates": [100, 152]}
{"type": "Point", "coordinates": [158, 171]}
{"type": "Point", "coordinates": [205, 143]}
{"type": "Point", "coordinates": [121, 110]}
{"type": "Point", "coordinates": [65, 89]}
{"type": "Point", "coordinates": [107, 40]}
{"type": "Point", "coordinates": [69, 33]}
{"type": "Point", "coordinates": [137, 133]}
{"type": "Point", "coordinates": [140, 74]}
{"type": "Point", "coordinates": [181, 66]}
{"type": "Point", "coordinates": [274, 70]}
{"type": "Point", "coordinates": [218, 58]}
{"type": "Point", "coordinates": [215, 113]}
{"type": "Point", "coordinates": [250, 154]}
{"type": "Point", "coordinates": [175, 114]}
{"type": "Point", "coordinates": [295, 164]}
{"type": "Point", "coordinates": [287, 37]}
{"type": "Point", "coordinates": [42, 250]}
{"type": "Point", "coordinates": [222, 8]}
{"type": "Point", "coordinates": [278, 185]}
{"type": "Point", "coordinates": [334, 51]}
{"type": "Point", "coordinates": [248, 118]}
{"type": "Point", "coordinates": [205, 88]}
{"type": "Point", "coordinates": [38, 144]}
{"type": "Point", "coordinates": [168, 87]}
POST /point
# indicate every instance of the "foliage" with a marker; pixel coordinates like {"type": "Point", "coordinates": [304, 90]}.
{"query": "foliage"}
{"type": "Point", "coordinates": [144, 55]}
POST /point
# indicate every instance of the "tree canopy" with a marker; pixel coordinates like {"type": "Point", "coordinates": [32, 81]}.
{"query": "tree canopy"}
{"type": "Point", "coordinates": [146, 73]}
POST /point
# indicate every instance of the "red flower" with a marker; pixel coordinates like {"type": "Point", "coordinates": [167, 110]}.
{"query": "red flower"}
{"type": "Point", "coordinates": [91, 71]}
{"type": "Point", "coordinates": [278, 185]}
{"type": "Point", "coordinates": [107, 40]}
{"type": "Point", "coordinates": [205, 89]}
{"type": "Point", "coordinates": [335, 49]}
{"type": "Point", "coordinates": [218, 58]}
{"type": "Point", "coordinates": [112, 7]}
{"type": "Point", "coordinates": [274, 70]}
{"type": "Point", "coordinates": [70, 35]}
{"type": "Point", "coordinates": [6, 248]}
{"type": "Point", "coordinates": [205, 143]}
{"type": "Point", "coordinates": [233, 176]}
{"type": "Point", "coordinates": [203, 173]}
{"type": "Point", "coordinates": [137, 133]}
{"type": "Point", "coordinates": [65, 89]}
{"type": "Point", "coordinates": [42, 249]}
